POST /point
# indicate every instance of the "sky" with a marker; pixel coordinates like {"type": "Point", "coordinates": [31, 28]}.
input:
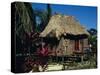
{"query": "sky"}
{"type": "Point", "coordinates": [86, 15]}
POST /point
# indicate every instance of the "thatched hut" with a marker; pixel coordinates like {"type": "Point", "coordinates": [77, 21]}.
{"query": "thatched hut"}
{"type": "Point", "coordinates": [65, 35]}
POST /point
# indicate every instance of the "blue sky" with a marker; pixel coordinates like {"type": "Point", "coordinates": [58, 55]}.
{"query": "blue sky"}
{"type": "Point", "coordinates": [86, 15]}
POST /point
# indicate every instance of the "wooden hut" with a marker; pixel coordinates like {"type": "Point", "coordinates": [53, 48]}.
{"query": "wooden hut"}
{"type": "Point", "coordinates": [65, 35]}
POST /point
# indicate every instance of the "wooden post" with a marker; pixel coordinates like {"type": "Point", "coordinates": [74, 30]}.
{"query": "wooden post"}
{"type": "Point", "coordinates": [82, 50]}
{"type": "Point", "coordinates": [62, 59]}
{"type": "Point", "coordinates": [50, 58]}
{"type": "Point", "coordinates": [82, 45]}
{"type": "Point", "coordinates": [82, 58]}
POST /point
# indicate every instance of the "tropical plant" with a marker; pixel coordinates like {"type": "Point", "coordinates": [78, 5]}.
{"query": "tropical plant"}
{"type": "Point", "coordinates": [24, 17]}
{"type": "Point", "coordinates": [93, 39]}
{"type": "Point", "coordinates": [25, 25]}
{"type": "Point", "coordinates": [44, 17]}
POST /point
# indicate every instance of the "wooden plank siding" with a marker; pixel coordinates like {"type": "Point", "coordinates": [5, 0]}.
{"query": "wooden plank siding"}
{"type": "Point", "coordinates": [66, 47]}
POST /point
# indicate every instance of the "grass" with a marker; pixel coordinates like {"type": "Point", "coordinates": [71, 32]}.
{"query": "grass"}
{"type": "Point", "coordinates": [89, 64]}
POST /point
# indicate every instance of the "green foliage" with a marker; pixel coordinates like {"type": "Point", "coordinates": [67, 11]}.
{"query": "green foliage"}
{"type": "Point", "coordinates": [93, 38]}
{"type": "Point", "coordinates": [44, 16]}
{"type": "Point", "coordinates": [26, 25]}
{"type": "Point", "coordinates": [25, 17]}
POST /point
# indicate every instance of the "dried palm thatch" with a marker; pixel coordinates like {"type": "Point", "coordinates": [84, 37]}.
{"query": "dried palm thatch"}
{"type": "Point", "coordinates": [63, 25]}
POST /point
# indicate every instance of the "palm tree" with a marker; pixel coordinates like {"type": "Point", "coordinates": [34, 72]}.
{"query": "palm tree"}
{"type": "Point", "coordinates": [49, 12]}
{"type": "Point", "coordinates": [93, 39]}
{"type": "Point", "coordinates": [26, 16]}
{"type": "Point", "coordinates": [25, 24]}
{"type": "Point", "coordinates": [44, 16]}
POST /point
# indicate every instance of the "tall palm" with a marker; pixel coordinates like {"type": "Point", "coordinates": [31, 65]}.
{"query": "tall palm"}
{"type": "Point", "coordinates": [44, 16]}
{"type": "Point", "coordinates": [25, 24]}
{"type": "Point", "coordinates": [26, 16]}
{"type": "Point", "coordinates": [49, 12]}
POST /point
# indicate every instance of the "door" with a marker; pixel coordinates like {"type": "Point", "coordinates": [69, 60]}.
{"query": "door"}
{"type": "Point", "coordinates": [76, 45]}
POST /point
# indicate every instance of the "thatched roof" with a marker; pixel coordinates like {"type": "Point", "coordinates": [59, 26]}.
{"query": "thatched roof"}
{"type": "Point", "coordinates": [63, 25]}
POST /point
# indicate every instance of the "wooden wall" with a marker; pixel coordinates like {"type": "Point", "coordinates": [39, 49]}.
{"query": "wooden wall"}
{"type": "Point", "coordinates": [67, 47]}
